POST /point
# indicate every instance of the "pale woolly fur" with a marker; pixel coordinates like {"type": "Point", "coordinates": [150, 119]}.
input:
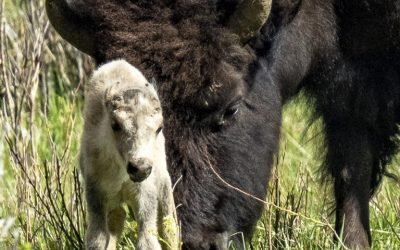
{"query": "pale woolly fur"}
{"type": "Point", "coordinates": [104, 159]}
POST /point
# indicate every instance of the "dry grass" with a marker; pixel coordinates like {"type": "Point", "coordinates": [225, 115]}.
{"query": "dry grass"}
{"type": "Point", "coordinates": [40, 111]}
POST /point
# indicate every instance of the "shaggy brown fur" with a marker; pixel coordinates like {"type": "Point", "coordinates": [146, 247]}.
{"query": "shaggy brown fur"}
{"type": "Point", "coordinates": [178, 43]}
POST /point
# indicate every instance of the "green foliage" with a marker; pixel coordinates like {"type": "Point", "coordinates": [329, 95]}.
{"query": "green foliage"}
{"type": "Point", "coordinates": [41, 203]}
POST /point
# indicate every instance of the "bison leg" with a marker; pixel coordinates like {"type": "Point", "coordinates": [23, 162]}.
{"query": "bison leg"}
{"type": "Point", "coordinates": [350, 159]}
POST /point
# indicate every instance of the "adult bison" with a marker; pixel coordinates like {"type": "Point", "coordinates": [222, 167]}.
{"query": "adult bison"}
{"type": "Point", "coordinates": [222, 101]}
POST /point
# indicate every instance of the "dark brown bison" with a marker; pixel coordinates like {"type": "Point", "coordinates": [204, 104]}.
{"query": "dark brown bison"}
{"type": "Point", "coordinates": [222, 84]}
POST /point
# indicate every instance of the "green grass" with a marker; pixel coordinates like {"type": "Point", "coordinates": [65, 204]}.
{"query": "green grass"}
{"type": "Point", "coordinates": [41, 81]}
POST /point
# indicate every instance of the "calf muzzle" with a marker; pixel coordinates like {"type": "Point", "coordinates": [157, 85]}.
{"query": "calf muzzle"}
{"type": "Point", "coordinates": [138, 171]}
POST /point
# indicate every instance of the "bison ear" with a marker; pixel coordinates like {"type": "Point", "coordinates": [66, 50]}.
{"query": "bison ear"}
{"type": "Point", "coordinates": [74, 27]}
{"type": "Point", "coordinates": [283, 11]}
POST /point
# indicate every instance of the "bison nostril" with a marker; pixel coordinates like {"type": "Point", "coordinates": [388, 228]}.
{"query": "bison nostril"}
{"type": "Point", "coordinates": [132, 168]}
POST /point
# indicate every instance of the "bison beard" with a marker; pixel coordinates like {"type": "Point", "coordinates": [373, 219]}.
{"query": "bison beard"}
{"type": "Point", "coordinates": [343, 54]}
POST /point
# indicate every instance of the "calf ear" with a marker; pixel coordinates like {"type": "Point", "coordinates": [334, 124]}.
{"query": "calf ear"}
{"type": "Point", "coordinates": [153, 82]}
{"type": "Point", "coordinates": [111, 100]}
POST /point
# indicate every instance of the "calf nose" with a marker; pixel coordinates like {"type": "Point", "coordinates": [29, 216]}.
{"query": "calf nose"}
{"type": "Point", "coordinates": [138, 171]}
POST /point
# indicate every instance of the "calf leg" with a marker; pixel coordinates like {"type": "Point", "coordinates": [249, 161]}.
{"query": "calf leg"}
{"type": "Point", "coordinates": [351, 161]}
{"type": "Point", "coordinates": [169, 227]}
{"type": "Point", "coordinates": [115, 222]}
{"type": "Point", "coordinates": [145, 210]}
{"type": "Point", "coordinates": [97, 235]}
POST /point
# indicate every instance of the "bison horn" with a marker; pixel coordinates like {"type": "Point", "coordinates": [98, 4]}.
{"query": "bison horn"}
{"type": "Point", "coordinates": [73, 28]}
{"type": "Point", "coordinates": [249, 17]}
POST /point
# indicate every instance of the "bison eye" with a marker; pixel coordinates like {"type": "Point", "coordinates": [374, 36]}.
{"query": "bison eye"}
{"type": "Point", "coordinates": [159, 130]}
{"type": "Point", "coordinates": [115, 126]}
{"type": "Point", "coordinates": [231, 111]}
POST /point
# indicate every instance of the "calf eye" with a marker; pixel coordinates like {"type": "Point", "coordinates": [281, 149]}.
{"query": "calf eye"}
{"type": "Point", "coordinates": [115, 126]}
{"type": "Point", "coordinates": [158, 130]}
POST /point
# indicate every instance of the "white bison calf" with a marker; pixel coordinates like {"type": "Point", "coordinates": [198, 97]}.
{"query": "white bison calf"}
{"type": "Point", "coordinates": [123, 158]}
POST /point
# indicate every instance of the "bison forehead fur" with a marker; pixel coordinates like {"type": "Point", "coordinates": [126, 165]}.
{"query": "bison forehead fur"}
{"type": "Point", "coordinates": [181, 43]}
